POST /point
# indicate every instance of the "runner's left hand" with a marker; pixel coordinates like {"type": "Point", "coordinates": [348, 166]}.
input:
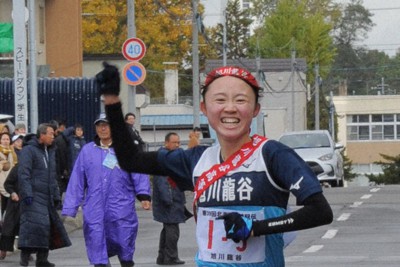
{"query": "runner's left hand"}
{"type": "Point", "coordinates": [237, 227]}
{"type": "Point", "coordinates": [108, 81]}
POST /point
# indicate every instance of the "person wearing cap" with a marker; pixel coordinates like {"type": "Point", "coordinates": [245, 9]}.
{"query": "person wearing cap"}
{"type": "Point", "coordinates": [107, 195]}
{"type": "Point", "coordinates": [242, 184]}
{"type": "Point", "coordinates": [16, 142]}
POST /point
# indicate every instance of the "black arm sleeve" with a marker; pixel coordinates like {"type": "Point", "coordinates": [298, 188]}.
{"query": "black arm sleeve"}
{"type": "Point", "coordinates": [129, 156]}
{"type": "Point", "coordinates": [316, 212]}
{"type": "Point", "coordinates": [142, 197]}
{"type": "Point", "coordinates": [11, 182]}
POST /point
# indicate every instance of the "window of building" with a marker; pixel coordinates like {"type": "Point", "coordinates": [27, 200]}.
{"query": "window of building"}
{"type": "Point", "coordinates": [373, 127]}
{"type": "Point", "coordinates": [398, 131]}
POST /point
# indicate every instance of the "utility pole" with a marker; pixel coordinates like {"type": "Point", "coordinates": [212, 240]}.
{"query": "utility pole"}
{"type": "Point", "coordinates": [293, 89]}
{"type": "Point", "coordinates": [317, 97]}
{"type": "Point", "coordinates": [224, 44]}
{"type": "Point", "coordinates": [32, 67]}
{"type": "Point", "coordinates": [195, 67]}
{"type": "Point", "coordinates": [131, 34]}
{"type": "Point", "coordinates": [332, 117]}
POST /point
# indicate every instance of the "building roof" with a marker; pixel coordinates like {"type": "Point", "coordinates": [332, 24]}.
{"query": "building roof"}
{"type": "Point", "coordinates": [179, 121]}
{"type": "Point", "coordinates": [266, 65]}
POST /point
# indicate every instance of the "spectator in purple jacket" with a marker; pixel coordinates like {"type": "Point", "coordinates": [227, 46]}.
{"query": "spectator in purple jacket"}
{"type": "Point", "coordinates": [107, 194]}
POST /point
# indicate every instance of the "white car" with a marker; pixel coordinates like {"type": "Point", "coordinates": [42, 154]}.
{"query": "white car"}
{"type": "Point", "coordinates": [318, 150]}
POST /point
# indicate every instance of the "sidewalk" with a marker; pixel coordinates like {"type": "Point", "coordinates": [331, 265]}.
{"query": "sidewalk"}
{"type": "Point", "coordinates": [146, 244]}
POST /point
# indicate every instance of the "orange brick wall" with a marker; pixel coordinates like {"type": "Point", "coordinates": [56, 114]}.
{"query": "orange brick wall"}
{"type": "Point", "coordinates": [64, 37]}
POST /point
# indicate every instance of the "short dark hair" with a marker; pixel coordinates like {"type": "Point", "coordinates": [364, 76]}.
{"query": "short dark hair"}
{"type": "Point", "coordinates": [129, 114]}
{"type": "Point", "coordinates": [168, 136]}
{"type": "Point", "coordinates": [78, 125]}
{"type": "Point", "coordinates": [197, 129]}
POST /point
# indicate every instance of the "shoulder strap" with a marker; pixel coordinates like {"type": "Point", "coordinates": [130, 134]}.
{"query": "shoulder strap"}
{"type": "Point", "coordinates": [217, 171]}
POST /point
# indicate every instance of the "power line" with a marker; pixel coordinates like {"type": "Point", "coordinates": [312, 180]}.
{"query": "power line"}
{"type": "Point", "coordinates": [383, 8]}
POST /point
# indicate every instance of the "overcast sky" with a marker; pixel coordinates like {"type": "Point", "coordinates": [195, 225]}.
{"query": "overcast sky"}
{"type": "Point", "coordinates": [385, 35]}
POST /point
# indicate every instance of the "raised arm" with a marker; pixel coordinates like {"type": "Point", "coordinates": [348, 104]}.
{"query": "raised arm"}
{"type": "Point", "coordinates": [129, 156]}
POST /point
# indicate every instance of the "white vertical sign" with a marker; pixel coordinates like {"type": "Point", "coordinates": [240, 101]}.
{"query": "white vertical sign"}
{"type": "Point", "coordinates": [20, 55]}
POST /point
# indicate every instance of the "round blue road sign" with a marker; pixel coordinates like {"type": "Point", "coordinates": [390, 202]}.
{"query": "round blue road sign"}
{"type": "Point", "coordinates": [134, 73]}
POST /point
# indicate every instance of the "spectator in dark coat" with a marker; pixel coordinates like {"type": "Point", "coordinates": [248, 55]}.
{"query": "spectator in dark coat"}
{"type": "Point", "coordinates": [62, 155]}
{"type": "Point", "coordinates": [12, 215]}
{"type": "Point", "coordinates": [76, 140]}
{"type": "Point", "coordinates": [169, 209]}
{"type": "Point", "coordinates": [41, 228]}
{"type": "Point", "coordinates": [130, 119]}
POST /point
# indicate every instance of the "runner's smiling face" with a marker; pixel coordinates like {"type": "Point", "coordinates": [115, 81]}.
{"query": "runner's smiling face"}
{"type": "Point", "coordinates": [230, 105]}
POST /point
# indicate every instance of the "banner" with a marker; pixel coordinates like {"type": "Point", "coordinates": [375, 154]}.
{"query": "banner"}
{"type": "Point", "coordinates": [6, 38]}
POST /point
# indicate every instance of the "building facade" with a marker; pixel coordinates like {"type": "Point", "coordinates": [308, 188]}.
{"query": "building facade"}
{"type": "Point", "coordinates": [58, 26]}
{"type": "Point", "coordinates": [369, 125]}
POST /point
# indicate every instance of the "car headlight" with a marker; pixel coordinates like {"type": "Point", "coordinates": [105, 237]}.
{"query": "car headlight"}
{"type": "Point", "coordinates": [325, 157]}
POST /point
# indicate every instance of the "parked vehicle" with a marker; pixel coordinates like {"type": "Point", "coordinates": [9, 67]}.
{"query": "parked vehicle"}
{"type": "Point", "coordinates": [320, 152]}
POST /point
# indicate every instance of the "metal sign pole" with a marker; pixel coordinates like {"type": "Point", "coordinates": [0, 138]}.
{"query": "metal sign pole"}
{"type": "Point", "coordinates": [32, 67]}
{"type": "Point", "coordinates": [20, 83]}
{"type": "Point", "coordinates": [195, 67]}
{"type": "Point", "coordinates": [131, 34]}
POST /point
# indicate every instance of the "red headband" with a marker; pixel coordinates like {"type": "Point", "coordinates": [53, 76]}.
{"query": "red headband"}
{"type": "Point", "coordinates": [234, 72]}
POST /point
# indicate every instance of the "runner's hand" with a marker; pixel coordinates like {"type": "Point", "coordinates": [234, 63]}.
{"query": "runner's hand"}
{"type": "Point", "coordinates": [108, 81]}
{"type": "Point", "coordinates": [237, 227]}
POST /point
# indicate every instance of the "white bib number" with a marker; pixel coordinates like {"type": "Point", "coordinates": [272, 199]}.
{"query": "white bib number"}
{"type": "Point", "coordinates": [215, 247]}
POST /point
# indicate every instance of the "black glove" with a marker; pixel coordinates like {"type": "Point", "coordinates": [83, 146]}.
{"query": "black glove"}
{"type": "Point", "coordinates": [108, 81]}
{"type": "Point", "coordinates": [28, 201]}
{"type": "Point", "coordinates": [237, 227]}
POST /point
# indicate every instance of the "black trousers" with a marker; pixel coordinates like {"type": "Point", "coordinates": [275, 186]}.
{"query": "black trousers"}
{"type": "Point", "coordinates": [168, 247]}
{"type": "Point", "coordinates": [10, 226]}
{"type": "Point", "coordinates": [4, 201]}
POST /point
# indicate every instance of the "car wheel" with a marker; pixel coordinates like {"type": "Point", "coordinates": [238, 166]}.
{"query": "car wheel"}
{"type": "Point", "coordinates": [340, 182]}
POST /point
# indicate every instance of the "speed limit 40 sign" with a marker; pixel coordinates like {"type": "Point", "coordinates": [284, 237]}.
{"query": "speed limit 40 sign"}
{"type": "Point", "coordinates": [133, 49]}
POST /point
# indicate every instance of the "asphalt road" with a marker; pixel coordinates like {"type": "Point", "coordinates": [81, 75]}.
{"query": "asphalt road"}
{"type": "Point", "coordinates": [365, 232]}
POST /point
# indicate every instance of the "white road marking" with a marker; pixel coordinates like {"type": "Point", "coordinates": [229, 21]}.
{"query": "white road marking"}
{"type": "Point", "coordinates": [374, 190]}
{"type": "Point", "coordinates": [344, 217]}
{"type": "Point", "coordinates": [313, 249]}
{"type": "Point", "coordinates": [330, 234]}
{"type": "Point", "coordinates": [366, 196]}
{"type": "Point", "coordinates": [356, 204]}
